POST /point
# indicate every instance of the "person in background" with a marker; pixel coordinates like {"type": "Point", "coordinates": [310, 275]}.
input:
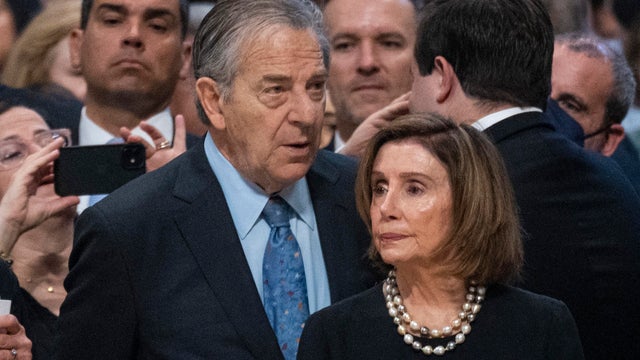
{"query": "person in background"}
{"type": "Point", "coordinates": [225, 251]}
{"type": "Point", "coordinates": [40, 59]}
{"type": "Point", "coordinates": [14, 17]}
{"type": "Point", "coordinates": [36, 224]}
{"type": "Point", "coordinates": [328, 125]}
{"type": "Point", "coordinates": [131, 54]}
{"type": "Point", "coordinates": [594, 84]}
{"type": "Point", "coordinates": [449, 249]}
{"type": "Point", "coordinates": [371, 48]}
{"type": "Point", "coordinates": [183, 100]}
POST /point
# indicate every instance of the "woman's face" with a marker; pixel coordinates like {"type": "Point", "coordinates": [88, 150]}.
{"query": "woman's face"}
{"type": "Point", "coordinates": [411, 207]}
{"type": "Point", "coordinates": [23, 125]}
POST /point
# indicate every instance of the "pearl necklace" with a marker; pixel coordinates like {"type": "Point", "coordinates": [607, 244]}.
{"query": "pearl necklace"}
{"type": "Point", "coordinates": [461, 325]}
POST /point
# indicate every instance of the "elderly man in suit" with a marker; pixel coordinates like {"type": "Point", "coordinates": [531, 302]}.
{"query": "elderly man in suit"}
{"type": "Point", "coordinates": [488, 63]}
{"type": "Point", "coordinates": [180, 263]}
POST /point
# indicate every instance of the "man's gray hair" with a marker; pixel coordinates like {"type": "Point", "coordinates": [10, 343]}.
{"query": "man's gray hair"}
{"type": "Point", "coordinates": [221, 39]}
{"type": "Point", "coordinates": [624, 85]}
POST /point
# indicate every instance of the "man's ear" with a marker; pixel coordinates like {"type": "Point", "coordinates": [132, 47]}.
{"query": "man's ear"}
{"type": "Point", "coordinates": [185, 70]}
{"type": "Point", "coordinates": [447, 78]}
{"type": "Point", "coordinates": [614, 137]}
{"type": "Point", "coordinates": [76, 37]}
{"type": "Point", "coordinates": [210, 98]}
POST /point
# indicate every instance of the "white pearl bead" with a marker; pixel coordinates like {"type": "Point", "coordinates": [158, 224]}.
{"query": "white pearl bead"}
{"type": "Point", "coordinates": [406, 317]}
{"type": "Point", "coordinates": [466, 306]}
{"type": "Point", "coordinates": [460, 338]}
{"type": "Point", "coordinates": [471, 317]}
{"type": "Point", "coordinates": [470, 297]}
{"type": "Point", "coordinates": [416, 345]}
{"type": "Point", "coordinates": [435, 333]}
{"type": "Point", "coordinates": [451, 345]}
{"type": "Point", "coordinates": [408, 339]}
{"type": "Point", "coordinates": [389, 305]}
{"type": "Point", "coordinates": [446, 330]}
{"type": "Point", "coordinates": [397, 300]}
{"type": "Point", "coordinates": [462, 315]}
{"type": "Point", "coordinates": [402, 330]}
{"type": "Point", "coordinates": [427, 350]}
{"type": "Point", "coordinates": [456, 323]}
{"type": "Point", "coordinates": [439, 350]}
{"type": "Point", "coordinates": [397, 320]}
{"type": "Point", "coordinates": [466, 329]}
{"type": "Point", "coordinates": [482, 290]}
{"type": "Point", "coordinates": [393, 312]}
{"type": "Point", "coordinates": [476, 308]}
{"type": "Point", "coordinates": [414, 326]}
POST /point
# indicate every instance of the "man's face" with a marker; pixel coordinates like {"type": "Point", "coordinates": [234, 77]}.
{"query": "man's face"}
{"type": "Point", "coordinates": [130, 49]}
{"type": "Point", "coordinates": [371, 53]}
{"type": "Point", "coordinates": [274, 115]}
{"type": "Point", "coordinates": [581, 85]}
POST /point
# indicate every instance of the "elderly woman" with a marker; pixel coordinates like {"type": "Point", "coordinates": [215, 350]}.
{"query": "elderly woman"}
{"type": "Point", "coordinates": [443, 222]}
{"type": "Point", "coordinates": [36, 225]}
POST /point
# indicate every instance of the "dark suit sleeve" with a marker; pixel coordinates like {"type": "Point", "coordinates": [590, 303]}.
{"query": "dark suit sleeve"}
{"type": "Point", "coordinates": [97, 319]}
{"type": "Point", "coordinates": [564, 341]}
{"type": "Point", "coordinates": [314, 342]}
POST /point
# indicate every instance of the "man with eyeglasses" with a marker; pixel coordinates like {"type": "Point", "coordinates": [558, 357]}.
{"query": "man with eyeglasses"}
{"type": "Point", "coordinates": [594, 84]}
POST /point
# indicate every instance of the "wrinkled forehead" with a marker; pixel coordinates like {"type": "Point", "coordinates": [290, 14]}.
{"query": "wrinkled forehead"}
{"type": "Point", "coordinates": [279, 46]}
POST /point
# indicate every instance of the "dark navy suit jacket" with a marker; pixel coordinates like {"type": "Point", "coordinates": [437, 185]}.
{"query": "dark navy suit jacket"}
{"type": "Point", "coordinates": [158, 271]}
{"type": "Point", "coordinates": [582, 222]}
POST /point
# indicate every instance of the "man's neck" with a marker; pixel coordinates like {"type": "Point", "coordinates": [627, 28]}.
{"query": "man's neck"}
{"type": "Point", "coordinates": [111, 117]}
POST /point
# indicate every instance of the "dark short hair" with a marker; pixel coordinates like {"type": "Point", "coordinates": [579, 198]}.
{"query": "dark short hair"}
{"type": "Point", "coordinates": [484, 242]}
{"type": "Point", "coordinates": [623, 88]}
{"type": "Point", "coordinates": [501, 50]}
{"type": "Point", "coordinates": [184, 15]}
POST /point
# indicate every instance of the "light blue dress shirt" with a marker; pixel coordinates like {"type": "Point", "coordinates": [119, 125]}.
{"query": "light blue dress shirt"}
{"type": "Point", "coordinates": [246, 201]}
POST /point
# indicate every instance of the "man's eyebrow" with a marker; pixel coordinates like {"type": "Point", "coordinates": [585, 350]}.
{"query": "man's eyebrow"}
{"type": "Point", "coordinates": [158, 12]}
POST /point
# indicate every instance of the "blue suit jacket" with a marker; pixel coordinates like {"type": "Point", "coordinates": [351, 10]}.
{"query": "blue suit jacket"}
{"type": "Point", "coordinates": [582, 222]}
{"type": "Point", "coordinates": [158, 272]}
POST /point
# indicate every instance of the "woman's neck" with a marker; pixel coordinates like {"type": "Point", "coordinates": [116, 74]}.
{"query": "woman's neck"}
{"type": "Point", "coordinates": [431, 298]}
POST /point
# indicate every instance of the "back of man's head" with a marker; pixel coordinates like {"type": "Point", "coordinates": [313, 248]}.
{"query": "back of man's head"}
{"type": "Point", "coordinates": [500, 50]}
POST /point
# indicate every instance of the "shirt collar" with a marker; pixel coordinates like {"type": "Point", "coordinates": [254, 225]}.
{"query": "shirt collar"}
{"type": "Point", "coordinates": [248, 199]}
{"type": "Point", "coordinates": [494, 118]}
{"type": "Point", "coordinates": [89, 133]}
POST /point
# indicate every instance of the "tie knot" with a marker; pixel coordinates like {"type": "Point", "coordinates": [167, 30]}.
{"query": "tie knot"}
{"type": "Point", "coordinates": [276, 212]}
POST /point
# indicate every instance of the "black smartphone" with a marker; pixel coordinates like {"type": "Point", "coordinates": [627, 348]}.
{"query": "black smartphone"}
{"type": "Point", "coordinates": [97, 169]}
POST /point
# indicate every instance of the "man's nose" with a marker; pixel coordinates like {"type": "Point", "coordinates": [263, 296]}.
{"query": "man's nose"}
{"type": "Point", "coordinates": [368, 59]}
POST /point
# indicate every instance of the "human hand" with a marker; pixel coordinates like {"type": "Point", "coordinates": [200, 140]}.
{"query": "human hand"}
{"type": "Point", "coordinates": [161, 152]}
{"type": "Point", "coordinates": [20, 210]}
{"type": "Point", "coordinates": [380, 119]}
{"type": "Point", "coordinates": [14, 343]}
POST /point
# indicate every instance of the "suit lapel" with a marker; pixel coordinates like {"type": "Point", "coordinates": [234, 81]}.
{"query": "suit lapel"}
{"type": "Point", "coordinates": [330, 210]}
{"type": "Point", "coordinates": [208, 229]}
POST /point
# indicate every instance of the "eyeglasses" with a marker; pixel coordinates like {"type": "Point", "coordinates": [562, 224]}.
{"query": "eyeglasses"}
{"type": "Point", "coordinates": [14, 151]}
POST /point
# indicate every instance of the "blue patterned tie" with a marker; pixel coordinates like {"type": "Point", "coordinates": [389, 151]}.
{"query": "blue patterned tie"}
{"type": "Point", "coordinates": [284, 284]}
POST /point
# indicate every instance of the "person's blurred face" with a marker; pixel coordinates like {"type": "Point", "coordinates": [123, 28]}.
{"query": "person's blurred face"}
{"type": "Point", "coordinates": [130, 49]}
{"type": "Point", "coordinates": [371, 54]}
{"type": "Point", "coordinates": [581, 85]}
{"type": "Point", "coordinates": [65, 75]}
{"type": "Point", "coordinates": [411, 204]}
{"type": "Point", "coordinates": [7, 31]}
{"type": "Point", "coordinates": [274, 115]}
